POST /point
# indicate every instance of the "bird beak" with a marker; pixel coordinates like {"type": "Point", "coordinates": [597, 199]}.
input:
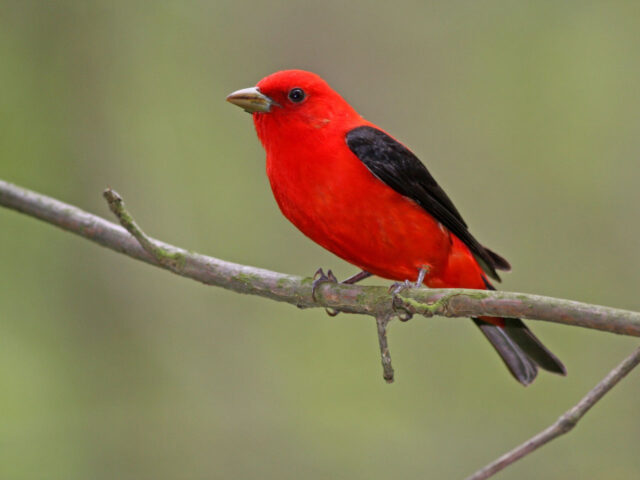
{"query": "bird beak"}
{"type": "Point", "coordinates": [251, 100]}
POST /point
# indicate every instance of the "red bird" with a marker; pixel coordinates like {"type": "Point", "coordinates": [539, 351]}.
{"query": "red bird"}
{"type": "Point", "coordinates": [358, 192]}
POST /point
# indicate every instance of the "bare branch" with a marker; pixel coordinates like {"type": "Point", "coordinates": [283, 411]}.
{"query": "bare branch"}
{"type": "Point", "coordinates": [369, 300]}
{"type": "Point", "coordinates": [565, 423]}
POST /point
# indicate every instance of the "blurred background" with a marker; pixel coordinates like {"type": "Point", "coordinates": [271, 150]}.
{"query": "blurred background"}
{"type": "Point", "coordinates": [526, 112]}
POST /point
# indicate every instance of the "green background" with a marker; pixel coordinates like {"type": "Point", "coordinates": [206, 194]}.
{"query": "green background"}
{"type": "Point", "coordinates": [527, 113]}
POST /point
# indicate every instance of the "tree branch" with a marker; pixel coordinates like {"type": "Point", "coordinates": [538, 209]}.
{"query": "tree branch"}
{"type": "Point", "coordinates": [565, 423]}
{"type": "Point", "coordinates": [369, 300]}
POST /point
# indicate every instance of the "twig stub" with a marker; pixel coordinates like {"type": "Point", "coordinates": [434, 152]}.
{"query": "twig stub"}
{"type": "Point", "coordinates": [382, 321]}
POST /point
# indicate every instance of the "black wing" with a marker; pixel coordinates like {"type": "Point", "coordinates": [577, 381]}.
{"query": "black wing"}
{"type": "Point", "coordinates": [395, 165]}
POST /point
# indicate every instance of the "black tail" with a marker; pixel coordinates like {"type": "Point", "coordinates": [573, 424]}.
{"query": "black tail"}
{"type": "Point", "coordinates": [498, 262]}
{"type": "Point", "coordinates": [520, 349]}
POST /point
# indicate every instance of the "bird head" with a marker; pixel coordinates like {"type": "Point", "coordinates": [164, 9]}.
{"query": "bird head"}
{"type": "Point", "coordinates": [289, 103]}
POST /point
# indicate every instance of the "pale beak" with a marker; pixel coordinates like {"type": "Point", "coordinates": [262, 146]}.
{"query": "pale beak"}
{"type": "Point", "coordinates": [251, 100]}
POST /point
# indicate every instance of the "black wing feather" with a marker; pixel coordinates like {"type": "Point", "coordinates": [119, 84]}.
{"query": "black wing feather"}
{"type": "Point", "coordinates": [394, 164]}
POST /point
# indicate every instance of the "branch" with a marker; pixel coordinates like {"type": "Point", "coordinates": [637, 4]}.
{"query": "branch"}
{"type": "Point", "coordinates": [565, 423]}
{"type": "Point", "coordinates": [369, 300]}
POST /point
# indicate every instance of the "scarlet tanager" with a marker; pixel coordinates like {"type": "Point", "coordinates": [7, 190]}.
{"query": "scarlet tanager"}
{"type": "Point", "coordinates": [358, 192]}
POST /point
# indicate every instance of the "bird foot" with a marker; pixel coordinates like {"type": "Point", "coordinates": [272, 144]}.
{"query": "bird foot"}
{"type": "Point", "coordinates": [398, 287]}
{"type": "Point", "coordinates": [318, 279]}
{"type": "Point", "coordinates": [397, 303]}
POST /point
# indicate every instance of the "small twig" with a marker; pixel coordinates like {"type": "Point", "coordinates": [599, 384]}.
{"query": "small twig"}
{"type": "Point", "coordinates": [565, 423]}
{"type": "Point", "coordinates": [172, 260]}
{"type": "Point", "coordinates": [387, 370]}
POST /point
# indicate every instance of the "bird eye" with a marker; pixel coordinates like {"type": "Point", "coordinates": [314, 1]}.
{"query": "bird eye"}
{"type": "Point", "coordinates": [296, 95]}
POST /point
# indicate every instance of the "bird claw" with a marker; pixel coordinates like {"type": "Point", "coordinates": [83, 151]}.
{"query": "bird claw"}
{"type": "Point", "coordinates": [396, 302]}
{"type": "Point", "coordinates": [318, 279]}
{"type": "Point", "coordinates": [332, 312]}
{"type": "Point", "coordinates": [397, 287]}
{"type": "Point", "coordinates": [398, 305]}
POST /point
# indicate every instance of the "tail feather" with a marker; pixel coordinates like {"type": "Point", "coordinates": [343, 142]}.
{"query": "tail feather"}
{"type": "Point", "coordinates": [532, 346]}
{"type": "Point", "coordinates": [521, 351]}
{"type": "Point", "coordinates": [519, 364]}
{"type": "Point", "coordinates": [527, 343]}
{"type": "Point", "coordinates": [498, 262]}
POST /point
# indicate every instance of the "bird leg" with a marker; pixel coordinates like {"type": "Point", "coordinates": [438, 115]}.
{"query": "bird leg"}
{"type": "Point", "coordinates": [320, 277]}
{"type": "Point", "coordinates": [421, 274]}
{"type": "Point", "coordinates": [398, 287]}
{"type": "Point", "coordinates": [357, 277]}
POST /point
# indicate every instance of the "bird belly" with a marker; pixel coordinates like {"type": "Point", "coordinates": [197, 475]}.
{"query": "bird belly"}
{"type": "Point", "coordinates": [357, 217]}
